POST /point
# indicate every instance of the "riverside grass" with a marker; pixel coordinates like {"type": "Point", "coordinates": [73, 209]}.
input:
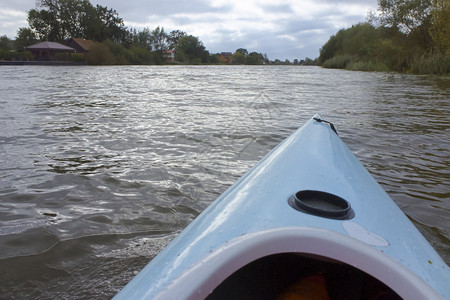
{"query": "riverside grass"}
{"type": "Point", "coordinates": [431, 63]}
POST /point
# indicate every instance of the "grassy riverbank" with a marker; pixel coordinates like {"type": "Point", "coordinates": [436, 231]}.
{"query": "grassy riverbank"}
{"type": "Point", "coordinates": [366, 48]}
{"type": "Point", "coordinates": [401, 36]}
{"type": "Point", "coordinates": [426, 63]}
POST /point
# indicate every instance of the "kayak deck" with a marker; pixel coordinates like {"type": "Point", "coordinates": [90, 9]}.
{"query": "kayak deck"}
{"type": "Point", "coordinates": [256, 218]}
{"type": "Point", "coordinates": [209, 273]}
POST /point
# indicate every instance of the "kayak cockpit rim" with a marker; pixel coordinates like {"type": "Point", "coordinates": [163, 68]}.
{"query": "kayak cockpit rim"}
{"type": "Point", "coordinates": [198, 281]}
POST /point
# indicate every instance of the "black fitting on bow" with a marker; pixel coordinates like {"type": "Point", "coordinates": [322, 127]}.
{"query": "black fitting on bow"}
{"type": "Point", "coordinates": [329, 123]}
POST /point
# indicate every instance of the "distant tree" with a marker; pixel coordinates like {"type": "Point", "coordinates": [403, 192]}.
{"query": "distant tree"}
{"type": "Point", "coordinates": [5, 53]}
{"type": "Point", "coordinates": [111, 26]}
{"type": "Point", "coordinates": [406, 15]}
{"type": "Point", "coordinates": [254, 58]}
{"type": "Point", "coordinates": [43, 24]}
{"type": "Point", "coordinates": [308, 62]}
{"type": "Point", "coordinates": [242, 51]}
{"type": "Point", "coordinates": [159, 39]}
{"type": "Point", "coordinates": [205, 57]}
{"type": "Point", "coordinates": [58, 20]}
{"type": "Point", "coordinates": [139, 56]}
{"type": "Point", "coordinates": [93, 24]}
{"type": "Point", "coordinates": [118, 50]}
{"type": "Point", "coordinates": [238, 58]}
{"type": "Point", "coordinates": [4, 42]}
{"type": "Point", "coordinates": [100, 54]}
{"type": "Point", "coordinates": [330, 49]}
{"type": "Point", "coordinates": [440, 25]}
{"type": "Point", "coordinates": [173, 38]}
{"type": "Point", "coordinates": [142, 39]}
{"type": "Point", "coordinates": [412, 17]}
{"type": "Point", "coordinates": [214, 58]}
{"type": "Point", "coordinates": [25, 37]}
{"type": "Point", "coordinates": [189, 49]}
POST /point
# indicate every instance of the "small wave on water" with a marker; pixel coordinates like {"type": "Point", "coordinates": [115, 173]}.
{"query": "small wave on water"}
{"type": "Point", "coordinates": [99, 171]}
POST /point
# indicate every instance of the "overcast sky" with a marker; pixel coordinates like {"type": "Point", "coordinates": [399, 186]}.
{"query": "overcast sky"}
{"type": "Point", "coordinates": [283, 29]}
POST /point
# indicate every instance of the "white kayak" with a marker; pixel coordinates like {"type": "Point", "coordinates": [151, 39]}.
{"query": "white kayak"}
{"type": "Point", "coordinates": [308, 208]}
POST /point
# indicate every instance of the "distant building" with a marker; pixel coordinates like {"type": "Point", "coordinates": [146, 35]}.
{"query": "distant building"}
{"type": "Point", "coordinates": [169, 55]}
{"type": "Point", "coordinates": [50, 51]}
{"type": "Point", "coordinates": [80, 45]}
{"type": "Point", "coordinates": [226, 57]}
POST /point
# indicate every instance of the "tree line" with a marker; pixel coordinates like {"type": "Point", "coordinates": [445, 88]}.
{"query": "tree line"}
{"type": "Point", "coordinates": [60, 20]}
{"type": "Point", "coordinates": [402, 35]}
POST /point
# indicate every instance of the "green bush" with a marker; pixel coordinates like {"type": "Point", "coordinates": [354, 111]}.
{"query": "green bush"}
{"type": "Point", "coordinates": [23, 55]}
{"type": "Point", "coordinates": [5, 54]}
{"type": "Point", "coordinates": [118, 51]}
{"type": "Point", "coordinates": [139, 56]}
{"type": "Point", "coordinates": [77, 57]}
{"type": "Point", "coordinates": [62, 56]}
{"type": "Point", "coordinates": [100, 54]}
{"type": "Point", "coordinates": [366, 48]}
{"type": "Point", "coordinates": [370, 65]}
{"type": "Point", "coordinates": [338, 62]}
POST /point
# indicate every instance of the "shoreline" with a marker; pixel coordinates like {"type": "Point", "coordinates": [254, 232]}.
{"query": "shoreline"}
{"type": "Point", "coordinates": [40, 63]}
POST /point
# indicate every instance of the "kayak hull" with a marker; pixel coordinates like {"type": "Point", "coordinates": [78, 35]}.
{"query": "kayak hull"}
{"type": "Point", "coordinates": [254, 219]}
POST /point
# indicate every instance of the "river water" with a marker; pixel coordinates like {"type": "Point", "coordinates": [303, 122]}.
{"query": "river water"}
{"type": "Point", "coordinates": [101, 166]}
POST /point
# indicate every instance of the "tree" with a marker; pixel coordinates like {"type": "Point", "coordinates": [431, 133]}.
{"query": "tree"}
{"type": "Point", "coordinates": [308, 62]}
{"type": "Point", "coordinates": [159, 39]}
{"type": "Point", "coordinates": [254, 58]}
{"type": "Point", "coordinates": [142, 39]}
{"type": "Point", "coordinates": [173, 38]}
{"type": "Point", "coordinates": [111, 26]}
{"type": "Point", "coordinates": [406, 15]}
{"type": "Point", "coordinates": [4, 42]}
{"type": "Point", "coordinates": [330, 49]}
{"type": "Point", "coordinates": [412, 17]}
{"type": "Point", "coordinates": [43, 24]}
{"type": "Point", "coordinates": [25, 37]}
{"type": "Point", "coordinates": [190, 49]}
{"type": "Point", "coordinates": [405, 39]}
{"type": "Point", "coordinates": [242, 51]}
{"type": "Point", "coordinates": [440, 25]}
{"type": "Point", "coordinates": [238, 58]}
{"type": "Point", "coordinates": [5, 53]}
{"type": "Point", "coordinates": [139, 56]}
{"type": "Point", "coordinates": [58, 20]}
{"type": "Point", "coordinates": [100, 54]}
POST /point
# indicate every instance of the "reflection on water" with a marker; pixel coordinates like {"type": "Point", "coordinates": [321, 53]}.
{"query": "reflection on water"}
{"type": "Point", "coordinates": [100, 167]}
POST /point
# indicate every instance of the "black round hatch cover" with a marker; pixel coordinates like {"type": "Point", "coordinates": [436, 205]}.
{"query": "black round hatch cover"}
{"type": "Point", "coordinates": [321, 204]}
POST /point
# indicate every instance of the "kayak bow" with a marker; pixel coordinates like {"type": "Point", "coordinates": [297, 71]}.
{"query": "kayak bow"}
{"type": "Point", "coordinates": [308, 202]}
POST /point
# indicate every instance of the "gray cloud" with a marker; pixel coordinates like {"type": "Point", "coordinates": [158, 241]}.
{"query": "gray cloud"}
{"type": "Point", "coordinates": [278, 8]}
{"type": "Point", "coordinates": [139, 10]}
